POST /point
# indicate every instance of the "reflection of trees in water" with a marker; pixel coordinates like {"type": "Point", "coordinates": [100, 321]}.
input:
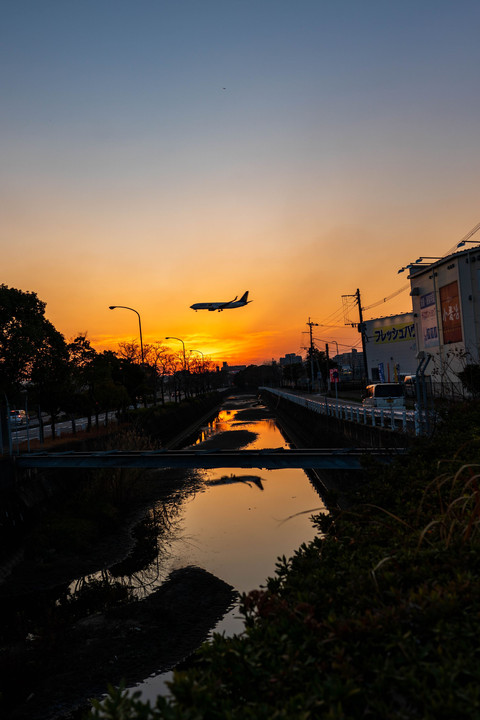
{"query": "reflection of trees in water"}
{"type": "Point", "coordinates": [46, 610]}
{"type": "Point", "coordinates": [147, 564]}
{"type": "Point", "coordinates": [91, 595]}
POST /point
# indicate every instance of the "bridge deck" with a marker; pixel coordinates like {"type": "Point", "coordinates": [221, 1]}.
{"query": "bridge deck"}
{"type": "Point", "coordinates": [332, 459]}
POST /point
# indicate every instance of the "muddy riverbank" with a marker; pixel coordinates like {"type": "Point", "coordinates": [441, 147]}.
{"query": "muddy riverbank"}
{"type": "Point", "coordinates": [53, 676]}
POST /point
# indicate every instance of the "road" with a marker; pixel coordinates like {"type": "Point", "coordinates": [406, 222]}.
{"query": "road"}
{"type": "Point", "coordinates": [22, 433]}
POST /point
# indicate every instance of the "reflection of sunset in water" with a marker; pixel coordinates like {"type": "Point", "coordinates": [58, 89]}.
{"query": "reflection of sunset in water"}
{"type": "Point", "coordinates": [217, 425]}
{"type": "Point", "coordinates": [234, 529]}
{"type": "Point", "coordinates": [242, 520]}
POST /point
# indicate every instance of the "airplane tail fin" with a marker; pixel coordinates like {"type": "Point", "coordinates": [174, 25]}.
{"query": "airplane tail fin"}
{"type": "Point", "coordinates": [244, 297]}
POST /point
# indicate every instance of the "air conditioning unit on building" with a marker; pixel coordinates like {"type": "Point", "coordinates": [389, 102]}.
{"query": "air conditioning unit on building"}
{"type": "Point", "coordinates": [415, 291]}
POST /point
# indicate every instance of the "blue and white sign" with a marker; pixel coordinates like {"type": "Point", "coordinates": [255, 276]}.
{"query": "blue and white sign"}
{"type": "Point", "coordinates": [381, 372]}
{"type": "Point", "coordinates": [428, 316]}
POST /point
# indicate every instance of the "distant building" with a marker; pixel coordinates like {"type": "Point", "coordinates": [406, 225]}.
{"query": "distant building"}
{"type": "Point", "coordinates": [232, 368]}
{"type": "Point", "coordinates": [350, 364]}
{"type": "Point", "coordinates": [290, 359]}
{"type": "Point", "coordinates": [391, 347]}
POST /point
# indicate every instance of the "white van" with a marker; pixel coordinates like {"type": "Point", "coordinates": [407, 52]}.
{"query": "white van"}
{"type": "Point", "coordinates": [384, 395]}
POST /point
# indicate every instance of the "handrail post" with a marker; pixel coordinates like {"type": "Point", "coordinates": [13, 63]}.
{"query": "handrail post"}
{"type": "Point", "coordinates": [417, 423]}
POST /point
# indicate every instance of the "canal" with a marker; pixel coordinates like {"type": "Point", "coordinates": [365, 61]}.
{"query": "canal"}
{"type": "Point", "coordinates": [239, 522]}
{"type": "Point", "coordinates": [221, 529]}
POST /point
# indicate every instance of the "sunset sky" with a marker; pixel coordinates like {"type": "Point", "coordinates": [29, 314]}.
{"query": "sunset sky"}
{"type": "Point", "coordinates": [158, 153]}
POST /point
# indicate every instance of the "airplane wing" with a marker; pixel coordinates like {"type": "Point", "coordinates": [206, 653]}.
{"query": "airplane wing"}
{"type": "Point", "coordinates": [221, 306]}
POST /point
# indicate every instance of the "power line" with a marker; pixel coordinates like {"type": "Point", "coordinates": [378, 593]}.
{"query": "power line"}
{"type": "Point", "coordinates": [389, 297]}
{"type": "Point", "coordinates": [445, 254]}
{"type": "Point", "coordinates": [333, 315]}
{"type": "Point", "coordinates": [334, 341]}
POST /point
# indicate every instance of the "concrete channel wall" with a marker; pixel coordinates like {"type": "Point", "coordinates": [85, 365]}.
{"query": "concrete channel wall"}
{"type": "Point", "coordinates": [315, 429]}
{"type": "Point", "coordinates": [309, 429]}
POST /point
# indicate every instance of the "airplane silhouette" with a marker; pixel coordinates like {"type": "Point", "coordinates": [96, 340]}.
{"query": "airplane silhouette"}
{"type": "Point", "coordinates": [230, 305]}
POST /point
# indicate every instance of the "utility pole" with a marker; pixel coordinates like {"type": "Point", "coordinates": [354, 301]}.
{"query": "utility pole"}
{"type": "Point", "coordinates": [328, 383]}
{"type": "Point", "coordinates": [361, 329]}
{"type": "Point", "coordinates": [311, 325]}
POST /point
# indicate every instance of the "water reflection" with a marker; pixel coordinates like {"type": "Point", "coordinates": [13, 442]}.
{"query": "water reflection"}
{"type": "Point", "coordinates": [233, 530]}
{"type": "Point", "coordinates": [219, 424]}
{"type": "Point", "coordinates": [230, 528]}
{"type": "Point", "coordinates": [228, 480]}
{"type": "Point", "coordinates": [231, 524]}
{"type": "Point", "coordinates": [149, 562]}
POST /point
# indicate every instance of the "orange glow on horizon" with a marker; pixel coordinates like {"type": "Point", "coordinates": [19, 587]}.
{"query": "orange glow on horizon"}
{"type": "Point", "coordinates": [254, 348]}
{"type": "Point", "coordinates": [233, 351]}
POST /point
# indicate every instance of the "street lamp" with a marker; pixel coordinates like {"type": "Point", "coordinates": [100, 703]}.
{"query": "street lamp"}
{"type": "Point", "coordinates": [464, 242]}
{"type": "Point", "coordinates": [203, 357]}
{"type": "Point", "coordinates": [180, 340]}
{"type": "Point", "coordinates": [124, 307]}
{"type": "Point", "coordinates": [327, 341]}
{"type": "Point", "coordinates": [414, 265]}
{"type": "Point", "coordinates": [202, 368]}
{"type": "Point", "coordinates": [428, 258]}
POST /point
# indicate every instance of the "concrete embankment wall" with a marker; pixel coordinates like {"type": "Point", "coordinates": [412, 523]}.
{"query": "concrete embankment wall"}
{"type": "Point", "coordinates": [309, 429]}
{"type": "Point", "coordinates": [317, 430]}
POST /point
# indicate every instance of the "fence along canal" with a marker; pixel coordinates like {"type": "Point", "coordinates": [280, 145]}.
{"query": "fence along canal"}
{"type": "Point", "coordinates": [414, 422]}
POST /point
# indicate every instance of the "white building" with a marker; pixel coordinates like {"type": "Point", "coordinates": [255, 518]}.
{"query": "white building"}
{"type": "Point", "coordinates": [391, 347]}
{"type": "Point", "coordinates": [446, 307]}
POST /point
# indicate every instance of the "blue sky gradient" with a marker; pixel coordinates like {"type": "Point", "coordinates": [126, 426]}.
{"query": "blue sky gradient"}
{"type": "Point", "coordinates": [160, 153]}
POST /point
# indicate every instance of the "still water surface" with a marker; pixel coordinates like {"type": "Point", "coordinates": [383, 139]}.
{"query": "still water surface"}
{"type": "Point", "coordinates": [236, 527]}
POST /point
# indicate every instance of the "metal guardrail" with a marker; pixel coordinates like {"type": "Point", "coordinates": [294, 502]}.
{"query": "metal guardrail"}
{"type": "Point", "coordinates": [398, 420]}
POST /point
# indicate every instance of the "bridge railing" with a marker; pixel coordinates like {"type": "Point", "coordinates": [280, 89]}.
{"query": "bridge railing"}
{"type": "Point", "coordinates": [399, 420]}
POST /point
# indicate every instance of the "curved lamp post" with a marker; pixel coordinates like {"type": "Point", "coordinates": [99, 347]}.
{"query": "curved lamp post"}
{"type": "Point", "coordinates": [180, 340]}
{"type": "Point", "coordinates": [462, 243]}
{"type": "Point", "coordinates": [203, 358]}
{"type": "Point", "coordinates": [202, 368]}
{"type": "Point", "coordinates": [429, 257]}
{"type": "Point", "coordinates": [328, 341]}
{"type": "Point", "coordinates": [124, 307]}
